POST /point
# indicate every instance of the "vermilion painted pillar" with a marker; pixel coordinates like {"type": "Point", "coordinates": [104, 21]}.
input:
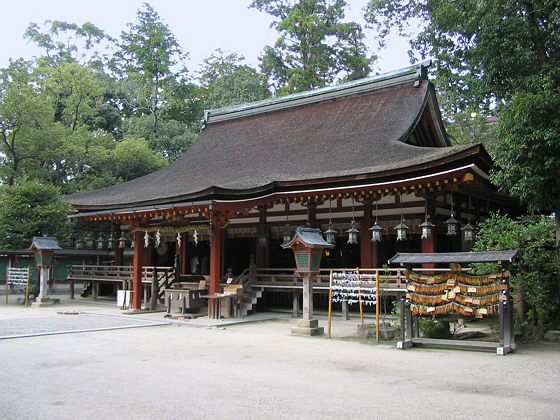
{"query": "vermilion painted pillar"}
{"type": "Point", "coordinates": [183, 251]}
{"type": "Point", "coordinates": [429, 245]}
{"type": "Point", "coordinates": [139, 258]}
{"type": "Point", "coordinates": [375, 255]}
{"type": "Point", "coordinates": [216, 260]}
{"type": "Point", "coordinates": [366, 257]}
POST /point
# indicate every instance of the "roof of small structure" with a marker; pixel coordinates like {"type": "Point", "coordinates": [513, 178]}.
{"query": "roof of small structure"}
{"type": "Point", "coordinates": [356, 131]}
{"type": "Point", "coordinates": [311, 238]}
{"type": "Point", "coordinates": [41, 243]}
{"type": "Point", "coordinates": [454, 257]}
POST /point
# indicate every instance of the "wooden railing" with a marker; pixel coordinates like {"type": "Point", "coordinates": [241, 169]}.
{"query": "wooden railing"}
{"type": "Point", "coordinates": [109, 273]}
{"type": "Point", "coordinates": [159, 278]}
{"type": "Point", "coordinates": [392, 280]}
{"type": "Point", "coordinates": [95, 274]}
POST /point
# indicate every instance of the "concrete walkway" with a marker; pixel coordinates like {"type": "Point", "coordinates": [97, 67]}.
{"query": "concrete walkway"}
{"type": "Point", "coordinates": [148, 367]}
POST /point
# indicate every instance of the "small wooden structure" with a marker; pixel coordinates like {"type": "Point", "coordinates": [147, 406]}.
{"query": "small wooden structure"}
{"type": "Point", "coordinates": [456, 291]}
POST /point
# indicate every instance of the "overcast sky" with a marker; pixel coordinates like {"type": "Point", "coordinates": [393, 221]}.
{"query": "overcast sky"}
{"type": "Point", "coordinates": [200, 26]}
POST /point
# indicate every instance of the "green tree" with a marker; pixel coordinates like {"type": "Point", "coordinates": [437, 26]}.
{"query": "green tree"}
{"type": "Point", "coordinates": [496, 58]}
{"type": "Point", "coordinates": [225, 81]}
{"type": "Point", "coordinates": [25, 118]}
{"type": "Point", "coordinates": [28, 210]}
{"type": "Point", "coordinates": [149, 62]}
{"type": "Point", "coordinates": [315, 47]}
{"type": "Point", "coordinates": [68, 42]}
{"type": "Point", "coordinates": [535, 272]}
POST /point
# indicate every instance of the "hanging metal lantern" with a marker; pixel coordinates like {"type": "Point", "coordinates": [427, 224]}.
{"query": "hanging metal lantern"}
{"type": "Point", "coordinates": [100, 243]}
{"type": "Point", "coordinates": [79, 243]}
{"type": "Point", "coordinates": [122, 241]}
{"type": "Point", "coordinates": [376, 232]}
{"type": "Point", "coordinates": [452, 225]}
{"type": "Point", "coordinates": [353, 235]}
{"type": "Point", "coordinates": [263, 239]}
{"type": "Point", "coordinates": [401, 231]}
{"type": "Point", "coordinates": [469, 232]}
{"type": "Point", "coordinates": [111, 242]}
{"type": "Point", "coordinates": [90, 243]}
{"type": "Point", "coordinates": [287, 235]}
{"type": "Point", "coordinates": [426, 229]}
{"type": "Point", "coordinates": [330, 235]}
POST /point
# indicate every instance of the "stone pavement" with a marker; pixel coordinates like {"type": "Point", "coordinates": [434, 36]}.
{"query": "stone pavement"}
{"type": "Point", "coordinates": [252, 370]}
{"type": "Point", "coordinates": [86, 315]}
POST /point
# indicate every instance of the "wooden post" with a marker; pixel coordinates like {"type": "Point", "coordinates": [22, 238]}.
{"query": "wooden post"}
{"type": "Point", "coordinates": [137, 273]}
{"type": "Point", "coordinates": [360, 296]}
{"type": "Point", "coordinates": [429, 245]}
{"type": "Point", "coordinates": [377, 303]}
{"type": "Point", "coordinates": [366, 246]}
{"type": "Point", "coordinates": [330, 303]}
{"type": "Point", "coordinates": [184, 256]}
{"type": "Point", "coordinates": [216, 260]}
{"type": "Point", "coordinates": [154, 291]}
{"type": "Point", "coordinates": [408, 314]}
{"type": "Point", "coordinates": [374, 254]}
{"type": "Point", "coordinates": [295, 303]}
{"type": "Point", "coordinates": [403, 325]}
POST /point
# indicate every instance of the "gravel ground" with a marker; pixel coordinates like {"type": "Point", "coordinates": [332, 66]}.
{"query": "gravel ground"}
{"type": "Point", "coordinates": [256, 370]}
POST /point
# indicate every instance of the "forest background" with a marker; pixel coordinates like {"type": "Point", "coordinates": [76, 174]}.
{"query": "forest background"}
{"type": "Point", "coordinates": [92, 110]}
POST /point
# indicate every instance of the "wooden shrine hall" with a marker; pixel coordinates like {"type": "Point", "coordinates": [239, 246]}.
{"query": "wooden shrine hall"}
{"type": "Point", "coordinates": [368, 157]}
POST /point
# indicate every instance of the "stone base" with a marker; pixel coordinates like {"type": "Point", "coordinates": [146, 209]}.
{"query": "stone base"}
{"type": "Point", "coordinates": [308, 327]}
{"type": "Point", "coordinates": [43, 301]}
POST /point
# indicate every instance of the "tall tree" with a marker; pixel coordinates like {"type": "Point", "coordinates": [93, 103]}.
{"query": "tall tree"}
{"type": "Point", "coordinates": [63, 41]}
{"type": "Point", "coordinates": [30, 209]}
{"type": "Point", "coordinates": [226, 81]}
{"type": "Point", "coordinates": [315, 47]}
{"type": "Point", "coordinates": [26, 116]}
{"type": "Point", "coordinates": [500, 57]}
{"type": "Point", "coordinates": [150, 62]}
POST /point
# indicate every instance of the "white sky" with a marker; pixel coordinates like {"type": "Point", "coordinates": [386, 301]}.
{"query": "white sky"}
{"type": "Point", "coordinates": [200, 26]}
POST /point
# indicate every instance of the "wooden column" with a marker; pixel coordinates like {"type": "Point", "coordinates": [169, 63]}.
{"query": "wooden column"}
{"type": "Point", "coordinates": [116, 249]}
{"type": "Point", "coordinates": [262, 258]}
{"type": "Point", "coordinates": [184, 256]}
{"type": "Point", "coordinates": [429, 245]}
{"type": "Point", "coordinates": [375, 255]}
{"type": "Point", "coordinates": [366, 248]}
{"type": "Point", "coordinates": [138, 264]}
{"type": "Point", "coordinates": [216, 260]}
{"type": "Point", "coordinates": [312, 215]}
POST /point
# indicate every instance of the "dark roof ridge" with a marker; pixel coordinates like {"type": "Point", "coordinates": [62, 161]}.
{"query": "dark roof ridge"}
{"type": "Point", "coordinates": [415, 73]}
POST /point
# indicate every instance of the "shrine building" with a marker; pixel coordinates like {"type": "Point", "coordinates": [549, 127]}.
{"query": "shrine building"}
{"type": "Point", "coordinates": [367, 157]}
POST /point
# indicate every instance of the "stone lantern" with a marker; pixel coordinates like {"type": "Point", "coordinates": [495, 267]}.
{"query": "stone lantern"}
{"type": "Point", "coordinates": [308, 245]}
{"type": "Point", "coordinates": [43, 249]}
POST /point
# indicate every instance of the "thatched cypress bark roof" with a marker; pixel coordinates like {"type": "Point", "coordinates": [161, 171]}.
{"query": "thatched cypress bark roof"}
{"type": "Point", "coordinates": [377, 127]}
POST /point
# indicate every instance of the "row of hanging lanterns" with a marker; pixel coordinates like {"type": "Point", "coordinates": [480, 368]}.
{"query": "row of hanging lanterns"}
{"type": "Point", "coordinates": [90, 243]}
{"type": "Point", "coordinates": [377, 231]}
